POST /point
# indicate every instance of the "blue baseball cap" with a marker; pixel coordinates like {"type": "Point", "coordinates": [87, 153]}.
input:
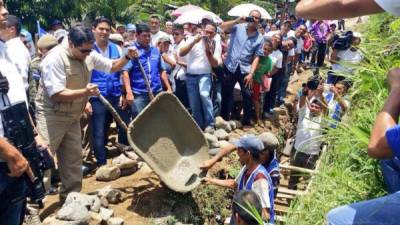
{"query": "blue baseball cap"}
{"type": "Point", "coordinates": [250, 143]}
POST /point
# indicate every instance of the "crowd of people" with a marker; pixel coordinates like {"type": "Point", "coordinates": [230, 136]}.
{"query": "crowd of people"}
{"type": "Point", "coordinates": [203, 65]}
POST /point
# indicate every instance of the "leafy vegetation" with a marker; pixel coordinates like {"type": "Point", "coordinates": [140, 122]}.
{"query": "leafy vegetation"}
{"type": "Point", "coordinates": [123, 11]}
{"type": "Point", "coordinates": [347, 174]}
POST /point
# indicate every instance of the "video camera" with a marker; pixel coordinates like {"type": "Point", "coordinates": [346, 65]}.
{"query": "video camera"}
{"type": "Point", "coordinates": [343, 41]}
{"type": "Point", "coordinates": [19, 132]}
{"type": "Point", "coordinates": [313, 82]}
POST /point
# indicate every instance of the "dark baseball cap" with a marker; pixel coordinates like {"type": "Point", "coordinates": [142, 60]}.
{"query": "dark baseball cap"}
{"type": "Point", "coordinates": [250, 143]}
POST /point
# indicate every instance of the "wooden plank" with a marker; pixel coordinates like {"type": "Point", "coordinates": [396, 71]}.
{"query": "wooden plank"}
{"type": "Point", "coordinates": [285, 196]}
{"type": "Point", "coordinates": [297, 169]}
{"type": "Point", "coordinates": [291, 192]}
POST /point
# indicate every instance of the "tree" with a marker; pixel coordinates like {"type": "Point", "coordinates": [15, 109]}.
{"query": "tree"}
{"type": "Point", "coordinates": [45, 11]}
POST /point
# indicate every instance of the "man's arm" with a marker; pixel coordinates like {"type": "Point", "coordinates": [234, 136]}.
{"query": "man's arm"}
{"type": "Point", "coordinates": [110, 66]}
{"type": "Point", "coordinates": [322, 9]}
{"type": "Point", "coordinates": [16, 162]}
{"type": "Point", "coordinates": [68, 95]}
{"type": "Point", "coordinates": [378, 145]}
{"type": "Point", "coordinates": [226, 150]}
{"type": "Point", "coordinates": [186, 49]}
{"type": "Point", "coordinates": [165, 81]}
{"type": "Point", "coordinates": [227, 26]}
{"type": "Point", "coordinates": [223, 183]}
{"type": "Point", "coordinates": [248, 80]}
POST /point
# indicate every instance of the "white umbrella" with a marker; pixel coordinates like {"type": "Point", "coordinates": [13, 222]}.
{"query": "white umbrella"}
{"type": "Point", "coordinates": [183, 9]}
{"type": "Point", "coordinates": [245, 9]}
{"type": "Point", "coordinates": [195, 17]}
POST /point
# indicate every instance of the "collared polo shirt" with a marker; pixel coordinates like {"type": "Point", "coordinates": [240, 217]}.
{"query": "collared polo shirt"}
{"type": "Point", "coordinates": [150, 58]}
{"type": "Point", "coordinates": [242, 49]}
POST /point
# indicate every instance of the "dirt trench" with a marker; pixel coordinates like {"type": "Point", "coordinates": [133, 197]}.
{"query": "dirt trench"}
{"type": "Point", "coordinates": [146, 201]}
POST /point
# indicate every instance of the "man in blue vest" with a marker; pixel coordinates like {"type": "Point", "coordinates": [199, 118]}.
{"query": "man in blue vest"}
{"type": "Point", "coordinates": [137, 94]}
{"type": "Point", "coordinates": [109, 86]}
{"type": "Point", "coordinates": [253, 176]}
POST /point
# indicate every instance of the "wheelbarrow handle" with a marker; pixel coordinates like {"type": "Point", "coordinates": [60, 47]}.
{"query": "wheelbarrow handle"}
{"type": "Point", "coordinates": [113, 112]}
{"type": "Point", "coordinates": [145, 78]}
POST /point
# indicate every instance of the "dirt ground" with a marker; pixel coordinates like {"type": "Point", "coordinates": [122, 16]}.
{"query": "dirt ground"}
{"type": "Point", "coordinates": [146, 201]}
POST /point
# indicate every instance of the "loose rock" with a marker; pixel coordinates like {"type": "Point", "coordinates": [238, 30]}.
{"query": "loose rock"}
{"type": "Point", "coordinates": [280, 111]}
{"type": "Point", "coordinates": [115, 221]}
{"type": "Point", "coordinates": [104, 202]}
{"type": "Point", "coordinates": [210, 139]}
{"type": "Point", "coordinates": [108, 173]}
{"type": "Point", "coordinates": [95, 218]}
{"type": "Point", "coordinates": [239, 125]}
{"type": "Point", "coordinates": [91, 202]}
{"type": "Point", "coordinates": [106, 214]}
{"type": "Point", "coordinates": [123, 162]}
{"type": "Point", "coordinates": [221, 134]}
{"type": "Point", "coordinates": [222, 124]}
{"type": "Point", "coordinates": [74, 212]}
{"type": "Point", "coordinates": [269, 139]}
{"type": "Point", "coordinates": [113, 196]}
{"type": "Point", "coordinates": [54, 221]}
{"type": "Point", "coordinates": [232, 124]}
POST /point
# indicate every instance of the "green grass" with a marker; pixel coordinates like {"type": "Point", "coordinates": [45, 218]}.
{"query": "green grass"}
{"type": "Point", "coordinates": [347, 174]}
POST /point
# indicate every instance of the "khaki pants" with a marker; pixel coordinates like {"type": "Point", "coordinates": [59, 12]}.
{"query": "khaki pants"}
{"type": "Point", "coordinates": [63, 133]}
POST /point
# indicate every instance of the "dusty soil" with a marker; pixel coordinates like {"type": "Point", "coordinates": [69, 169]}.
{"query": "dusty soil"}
{"type": "Point", "coordinates": [147, 201]}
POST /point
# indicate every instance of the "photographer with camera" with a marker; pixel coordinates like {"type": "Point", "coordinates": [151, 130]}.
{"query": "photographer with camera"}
{"type": "Point", "coordinates": [344, 54]}
{"type": "Point", "coordinates": [16, 174]}
{"type": "Point", "coordinates": [244, 51]}
{"type": "Point", "coordinates": [312, 107]}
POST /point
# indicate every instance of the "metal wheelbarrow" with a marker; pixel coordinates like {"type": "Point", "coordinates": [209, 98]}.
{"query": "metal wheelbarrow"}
{"type": "Point", "coordinates": [167, 138]}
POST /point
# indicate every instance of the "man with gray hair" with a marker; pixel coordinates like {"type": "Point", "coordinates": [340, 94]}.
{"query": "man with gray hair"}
{"type": "Point", "coordinates": [62, 97]}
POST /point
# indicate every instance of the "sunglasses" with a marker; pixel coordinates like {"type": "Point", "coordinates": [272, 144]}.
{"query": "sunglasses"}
{"type": "Point", "coordinates": [85, 51]}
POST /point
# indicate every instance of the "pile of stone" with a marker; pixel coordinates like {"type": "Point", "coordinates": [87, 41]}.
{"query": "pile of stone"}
{"type": "Point", "coordinates": [88, 209]}
{"type": "Point", "coordinates": [221, 133]}
{"type": "Point", "coordinates": [120, 166]}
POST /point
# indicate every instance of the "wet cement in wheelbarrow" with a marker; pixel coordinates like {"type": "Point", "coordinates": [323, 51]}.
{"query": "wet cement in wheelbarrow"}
{"type": "Point", "coordinates": [168, 139]}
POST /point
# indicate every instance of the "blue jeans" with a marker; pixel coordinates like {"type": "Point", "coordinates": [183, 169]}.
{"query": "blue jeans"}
{"type": "Point", "coordinates": [139, 103]}
{"type": "Point", "coordinates": [283, 84]}
{"type": "Point", "coordinates": [13, 200]}
{"type": "Point", "coordinates": [199, 91]}
{"type": "Point", "coordinates": [100, 122]}
{"type": "Point", "coordinates": [228, 84]}
{"type": "Point", "coordinates": [270, 96]}
{"type": "Point", "coordinates": [380, 211]}
{"type": "Point", "coordinates": [391, 174]}
{"type": "Point", "coordinates": [217, 96]}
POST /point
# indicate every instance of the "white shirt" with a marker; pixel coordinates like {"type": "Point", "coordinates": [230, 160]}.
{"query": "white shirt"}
{"type": "Point", "coordinates": [53, 73]}
{"type": "Point", "coordinates": [20, 57]}
{"type": "Point", "coordinates": [197, 60]}
{"type": "Point", "coordinates": [308, 133]}
{"type": "Point", "coordinates": [260, 187]}
{"type": "Point", "coordinates": [346, 57]}
{"type": "Point", "coordinates": [156, 36]}
{"type": "Point", "coordinates": [390, 6]}
{"type": "Point", "coordinates": [16, 93]}
{"type": "Point", "coordinates": [300, 43]}
{"type": "Point", "coordinates": [271, 33]}
{"type": "Point", "coordinates": [179, 71]}
{"type": "Point", "coordinates": [276, 57]}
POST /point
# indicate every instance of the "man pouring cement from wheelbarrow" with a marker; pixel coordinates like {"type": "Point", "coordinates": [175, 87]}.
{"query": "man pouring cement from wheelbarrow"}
{"type": "Point", "coordinates": [62, 96]}
{"type": "Point", "coordinates": [140, 91]}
